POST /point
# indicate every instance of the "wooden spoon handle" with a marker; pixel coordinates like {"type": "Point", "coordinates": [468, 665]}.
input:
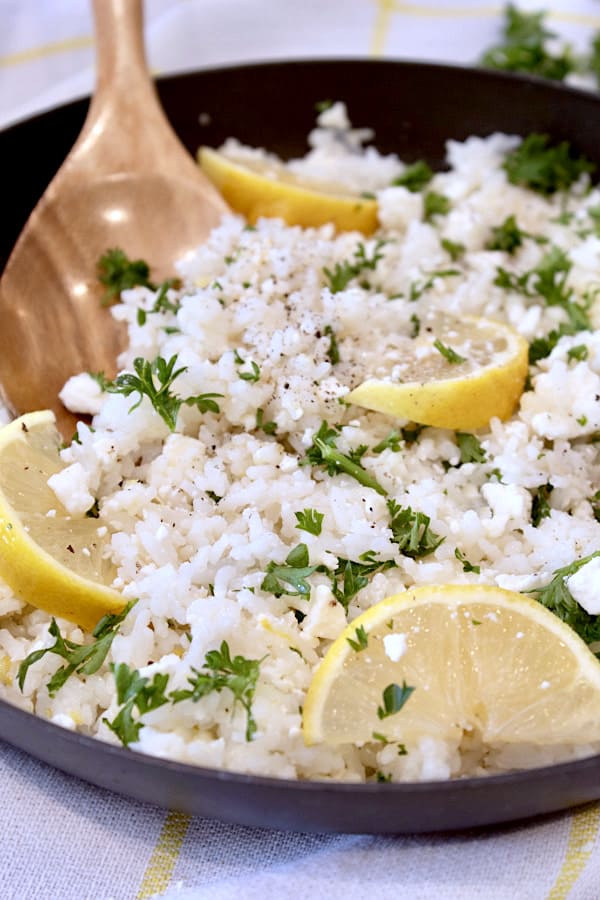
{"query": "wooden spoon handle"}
{"type": "Point", "coordinates": [126, 128]}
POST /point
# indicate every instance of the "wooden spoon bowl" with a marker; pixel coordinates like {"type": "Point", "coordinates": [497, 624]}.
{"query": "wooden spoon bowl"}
{"type": "Point", "coordinates": [129, 183]}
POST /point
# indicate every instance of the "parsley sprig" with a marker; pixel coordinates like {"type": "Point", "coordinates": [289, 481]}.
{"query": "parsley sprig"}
{"type": "Point", "coordinates": [280, 578]}
{"type": "Point", "coordinates": [411, 531]}
{"type": "Point", "coordinates": [557, 597]}
{"type": "Point", "coordinates": [310, 520]}
{"type": "Point", "coordinates": [415, 176]}
{"type": "Point", "coordinates": [222, 671]}
{"type": "Point", "coordinates": [543, 167]}
{"type": "Point", "coordinates": [344, 272]}
{"type": "Point", "coordinates": [323, 452]}
{"type": "Point", "coordinates": [524, 47]}
{"type": "Point", "coordinates": [81, 659]}
{"type": "Point", "coordinates": [393, 699]}
{"type": "Point", "coordinates": [135, 692]}
{"type": "Point", "coordinates": [351, 576]}
{"type": "Point", "coordinates": [119, 273]}
{"type": "Point", "coordinates": [166, 404]}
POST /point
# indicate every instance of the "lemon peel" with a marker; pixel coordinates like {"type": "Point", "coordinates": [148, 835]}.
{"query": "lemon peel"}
{"type": "Point", "coordinates": [50, 559]}
{"type": "Point", "coordinates": [259, 188]}
{"type": "Point", "coordinates": [485, 381]}
{"type": "Point", "coordinates": [478, 657]}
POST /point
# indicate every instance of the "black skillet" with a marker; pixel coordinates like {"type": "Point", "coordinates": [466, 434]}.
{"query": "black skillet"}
{"type": "Point", "coordinates": [413, 108]}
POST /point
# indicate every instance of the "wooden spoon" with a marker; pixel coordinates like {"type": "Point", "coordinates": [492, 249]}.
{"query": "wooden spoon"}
{"type": "Point", "coordinates": [127, 182]}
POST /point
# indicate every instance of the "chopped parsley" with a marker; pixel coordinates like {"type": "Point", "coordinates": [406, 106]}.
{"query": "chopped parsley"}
{"type": "Point", "coordinates": [470, 448]}
{"type": "Point", "coordinates": [238, 675]}
{"type": "Point", "coordinates": [507, 237]}
{"type": "Point", "coordinates": [391, 442]}
{"type": "Point", "coordinates": [411, 531]}
{"type": "Point", "coordinates": [448, 353]}
{"type": "Point", "coordinates": [350, 577]}
{"type": "Point", "coordinates": [333, 352]}
{"type": "Point", "coordinates": [467, 566]}
{"type": "Point", "coordinates": [540, 506]}
{"type": "Point", "coordinates": [344, 272]}
{"type": "Point", "coordinates": [166, 404]}
{"type": "Point", "coordinates": [578, 353]}
{"type": "Point", "coordinates": [119, 273]}
{"type": "Point", "coordinates": [393, 699]}
{"type": "Point", "coordinates": [135, 691]}
{"type": "Point", "coordinates": [293, 574]}
{"type": "Point", "coordinates": [414, 177]}
{"type": "Point", "coordinates": [362, 639]}
{"type": "Point", "coordinates": [454, 249]}
{"type": "Point", "coordinates": [543, 167]}
{"type": "Point", "coordinates": [418, 288]}
{"type": "Point", "coordinates": [310, 520]}
{"type": "Point", "coordinates": [557, 597]}
{"type": "Point", "coordinates": [266, 427]}
{"type": "Point", "coordinates": [524, 47]}
{"type": "Point", "coordinates": [435, 204]}
{"type": "Point", "coordinates": [323, 452]}
{"type": "Point", "coordinates": [252, 375]}
{"type": "Point", "coordinates": [82, 659]}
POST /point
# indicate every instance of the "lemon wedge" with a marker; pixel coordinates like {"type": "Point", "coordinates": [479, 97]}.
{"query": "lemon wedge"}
{"type": "Point", "coordinates": [258, 188]}
{"type": "Point", "coordinates": [477, 658]}
{"type": "Point", "coordinates": [458, 373]}
{"type": "Point", "coordinates": [50, 559]}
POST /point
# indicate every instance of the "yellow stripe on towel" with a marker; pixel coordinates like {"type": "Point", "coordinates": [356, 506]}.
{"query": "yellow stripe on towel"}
{"type": "Point", "coordinates": [161, 866]}
{"type": "Point", "coordinates": [35, 53]}
{"type": "Point", "coordinates": [584, 828]}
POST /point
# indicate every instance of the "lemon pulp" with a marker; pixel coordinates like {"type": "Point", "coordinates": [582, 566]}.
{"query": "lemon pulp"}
{"type": "Point", "coordinates": [256, 187]}
{"type": "Point", "coordinates": [476, 371]}
{"type": "Point", "coordinates": [51, 559]}
{"type": "Point", "coordinates": [479, 658]}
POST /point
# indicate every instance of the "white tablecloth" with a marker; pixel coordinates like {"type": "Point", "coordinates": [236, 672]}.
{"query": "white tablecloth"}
{"type": "Point", "coordinates": [65, 840]}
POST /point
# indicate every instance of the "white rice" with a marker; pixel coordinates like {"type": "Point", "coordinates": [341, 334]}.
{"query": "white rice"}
{"type": "Point", "coordinates": [196, 566]}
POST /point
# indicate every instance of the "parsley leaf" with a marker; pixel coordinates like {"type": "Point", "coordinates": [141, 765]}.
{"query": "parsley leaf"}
{"type": "Point", "coordinates": [394, 697]}
{"type": "Point", "coordinates": [543, 167]}
{"type": "Point", "coordinates": [166, 404]}
{"type": "Point", "coordinates": [418, 288]}
{"type": "Point", "coordinates": [507, 236]}
{"type": "Point", "coordinates": [391, 442]}
{"type": "Point", "coordinates": [557, 597]}
{"type": "Point", "coordinates": [294, 573]}
{"type": "Point", "coordinates": [467, 566]}
{"type": "Point", "coordinates": [267, 427]}
{"type": "Point", "coordinates": [470, 448]}
{"type": "Point", "coordinates": [323, 452]}
{"type": "Point", "coordinates": [414, 177]}
{"type": "Point", "coordinates": [435, 204]}
{"type": "Point", "coordinates": [135, 691]}
{"type": "Point", "coordinates": [119, 273]}
{"type": "Point", "coordinates": [350, 577]}
{"type": "Point", "coordinates": [540, 507]}
{"type": "Point", "coordinates": [239, 675]}
{"type": "Point", "coordinates": [454, 249]}
{"type": "Point", "coordinates": [362, 639]}
{"type": "Point", "coordinates": [344, 272]}
{"type": "Point", "coordinates": [310, 520]}
{"type": "Point", "coordinates": [333, 353]}
{"type": "Point", "coordinates": [524, 47]}
{"type": "Point", "coordinates": [410, 530]}
{"type": "Point", "coordinates": [82, 659]}
{"type": "Point", "coordinates": [448, 353]}
{"type": "Point", "coordinates": [253, 375]}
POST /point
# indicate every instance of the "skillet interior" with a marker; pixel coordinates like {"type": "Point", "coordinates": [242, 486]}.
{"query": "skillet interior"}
{"type": "Point", "coordinates": [413, 109]}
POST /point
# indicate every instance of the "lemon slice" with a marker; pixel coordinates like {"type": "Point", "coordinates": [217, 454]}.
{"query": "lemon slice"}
{"type": "Point", "coordinates": [50, 559]}
{"type": "Point", "coordinates": [458, 373]}
{"type": "Point", "coordinates": [258, 188]}
{"type": "Point", "coordinates": [478, 658]}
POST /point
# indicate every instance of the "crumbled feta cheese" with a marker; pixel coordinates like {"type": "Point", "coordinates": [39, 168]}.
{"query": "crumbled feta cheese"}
{"type": "Point", "coordinates": [326, 617]}
{"type": "Point", "coordinates": [82, 394]}
{"type": "Point", "coordinates": [394, 646]}
{"type": "Point", "coordinates": [584, 585]}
